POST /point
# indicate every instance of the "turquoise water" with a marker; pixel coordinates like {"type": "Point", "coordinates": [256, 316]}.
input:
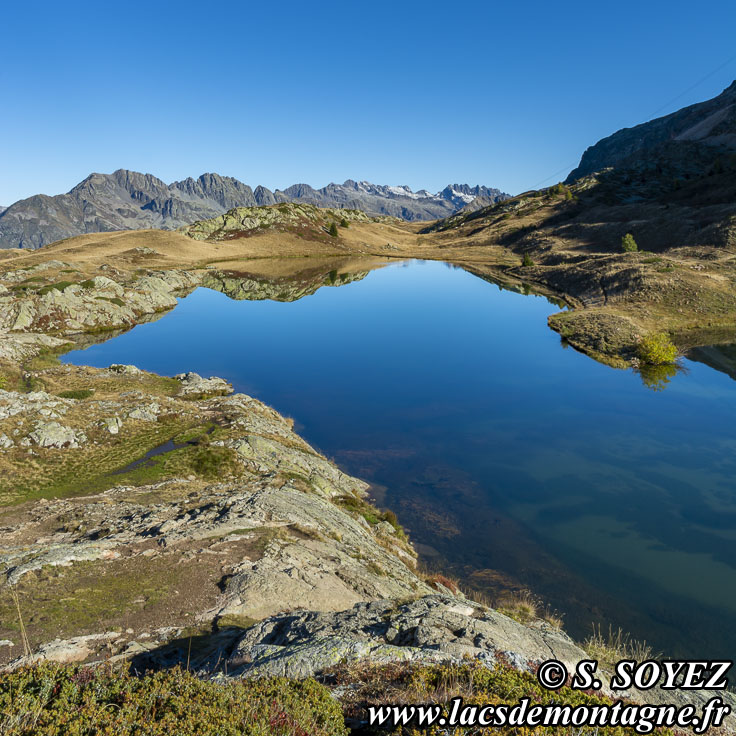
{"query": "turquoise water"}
{"type": "Point", "coordinates": [513, 460]}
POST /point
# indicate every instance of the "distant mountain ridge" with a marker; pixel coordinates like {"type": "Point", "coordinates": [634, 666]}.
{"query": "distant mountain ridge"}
{"type": "Point", "coordinates": [128, 200]}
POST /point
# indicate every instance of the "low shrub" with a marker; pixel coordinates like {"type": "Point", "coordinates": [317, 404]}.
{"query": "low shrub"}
{"type": "Point", "coordinates": [656, 349]}
{"type": "Point", "coordinates": [527, 261]}
{"type": "Point", "coordinates": [59, 286]}
{"type": "Point", "coordinates": [79, 394]}
{"type": "Point", "coordinates": [615, 646]}
{"type": "Point", "coordinates": [442, 581]}
{"type": "Point", "coordinates": [56, 700]}
{"type": "Point", "coordinates": [521, 606]}
{"type": "Point", "coordinates": [213, 461]}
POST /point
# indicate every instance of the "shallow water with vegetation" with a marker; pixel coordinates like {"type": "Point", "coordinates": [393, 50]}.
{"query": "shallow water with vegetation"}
{"type": "Point", "coordinates": [514, 461]}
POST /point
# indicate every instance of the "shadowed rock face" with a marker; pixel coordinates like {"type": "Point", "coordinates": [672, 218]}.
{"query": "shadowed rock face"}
{"type": "Point", "coordinates": [709, 126]}
{"type": "Point", "coordinates": [128, 200]}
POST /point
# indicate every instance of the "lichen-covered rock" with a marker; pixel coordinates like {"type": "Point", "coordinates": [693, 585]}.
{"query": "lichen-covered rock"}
{"type": "Point", "coordinates": [100, 303]}
{"type": "Point", "coordinates": [17, 347]}
{"type": "Point", "coordinates": [55, 435]}
{"type": "Point", "coordinates": [431, 628]}
{"type": "Point", "coordinates": [146, 413]}
{"type": "Point", "coordinates": [192, 384]}
{"type": "Point", "coordinates": [128, 370]}
{"type": "Point", "coordinates": [112, 424]}
{"type": "Point", "coordinates": [34, 404]}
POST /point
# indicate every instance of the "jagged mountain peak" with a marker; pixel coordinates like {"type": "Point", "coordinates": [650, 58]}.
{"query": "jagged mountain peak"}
{"type": "Point", "coordinates": [131, 200]}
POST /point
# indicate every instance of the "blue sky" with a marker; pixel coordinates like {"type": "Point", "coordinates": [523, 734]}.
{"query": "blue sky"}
{"type": "Point", "coordinates": [397, 92]}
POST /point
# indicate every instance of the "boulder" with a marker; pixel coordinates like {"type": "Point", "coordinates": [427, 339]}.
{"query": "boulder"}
{"type": "Point", "coordinates": [429, 629]}
{"type": "Point", "coordinates": [192, 384]}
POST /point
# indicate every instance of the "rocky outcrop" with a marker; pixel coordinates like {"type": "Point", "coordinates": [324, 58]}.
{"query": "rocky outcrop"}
{"type": "Point", "coordinates": [272, 525]}
{"type": "Point", "coordinates": [245, 221]}
{"type": "Point", "coordinates": [429, 629]}
{"type": "Point", "coordinates": [31, 303]}
{"type": "Point", "coordinates": [193, 385]}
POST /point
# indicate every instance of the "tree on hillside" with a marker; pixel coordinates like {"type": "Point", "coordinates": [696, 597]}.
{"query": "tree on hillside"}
{"type": "Point", "coordinates": [628, 244]}
{"type": "Point", "coordinates": [333, 230]}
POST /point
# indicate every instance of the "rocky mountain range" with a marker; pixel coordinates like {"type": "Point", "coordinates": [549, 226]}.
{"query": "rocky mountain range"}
{"type": "Point", "coordinates": [128, 200]}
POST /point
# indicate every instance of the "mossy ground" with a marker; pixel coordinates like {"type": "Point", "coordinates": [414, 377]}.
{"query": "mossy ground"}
{"type": "Point", "coordinates": [97, 464]}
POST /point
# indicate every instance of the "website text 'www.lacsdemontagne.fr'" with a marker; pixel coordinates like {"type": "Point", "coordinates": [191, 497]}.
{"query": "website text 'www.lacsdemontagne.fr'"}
{"type": "Point", "coordinates": [643, 718]}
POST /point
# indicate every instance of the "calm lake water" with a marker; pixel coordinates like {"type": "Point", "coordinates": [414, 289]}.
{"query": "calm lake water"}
{"type": "Point", "coordinates": [513, 460]}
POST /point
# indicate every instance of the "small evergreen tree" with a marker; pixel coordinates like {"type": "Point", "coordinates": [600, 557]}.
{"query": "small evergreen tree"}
{"type": "Point", "coordinates": [628, 244]}
{"type": "Point", "coordinates": [568, 195]}
{"type": "Point", "coordinates": [527, 260]}
{"type": "Point", "coordinates": [344, 223]}
{"type": "Point", "coordinates": [333, 230]}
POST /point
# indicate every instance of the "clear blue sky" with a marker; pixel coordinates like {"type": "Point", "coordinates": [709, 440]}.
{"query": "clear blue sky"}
{"type": "Point", "coordinates": [396, 92]}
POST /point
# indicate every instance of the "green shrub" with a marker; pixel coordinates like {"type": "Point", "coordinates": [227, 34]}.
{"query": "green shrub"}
{"type": "Point", "coordinates": [628, 244]}
{"type": "Point", "coordinates": [212, 461]}
{"type": "Point", "coordinates": [58, 286]}
{"type": "Point", "coordinates": [56, 700]}
{"type": "Point", "coordinates": [527, 260]}
{"type": "Point", "coordinates": [656, 349]}
{"type": "Point", "coordinates": [333, 230]}
{"type": "Point", "coordinates": [3, 382]}
{"type": "Point", "coordinates": [79, 394]}
{"type": "Point", "coordinates": [392, 519]}
{"type": "Point", "coordinates": [344, 223]}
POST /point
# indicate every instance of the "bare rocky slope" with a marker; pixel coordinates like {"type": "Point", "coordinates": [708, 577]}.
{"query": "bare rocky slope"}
{"type": "Point", "coordinates": [709, 124]}
{"type": "Point", "coordinates": [128, 200]}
